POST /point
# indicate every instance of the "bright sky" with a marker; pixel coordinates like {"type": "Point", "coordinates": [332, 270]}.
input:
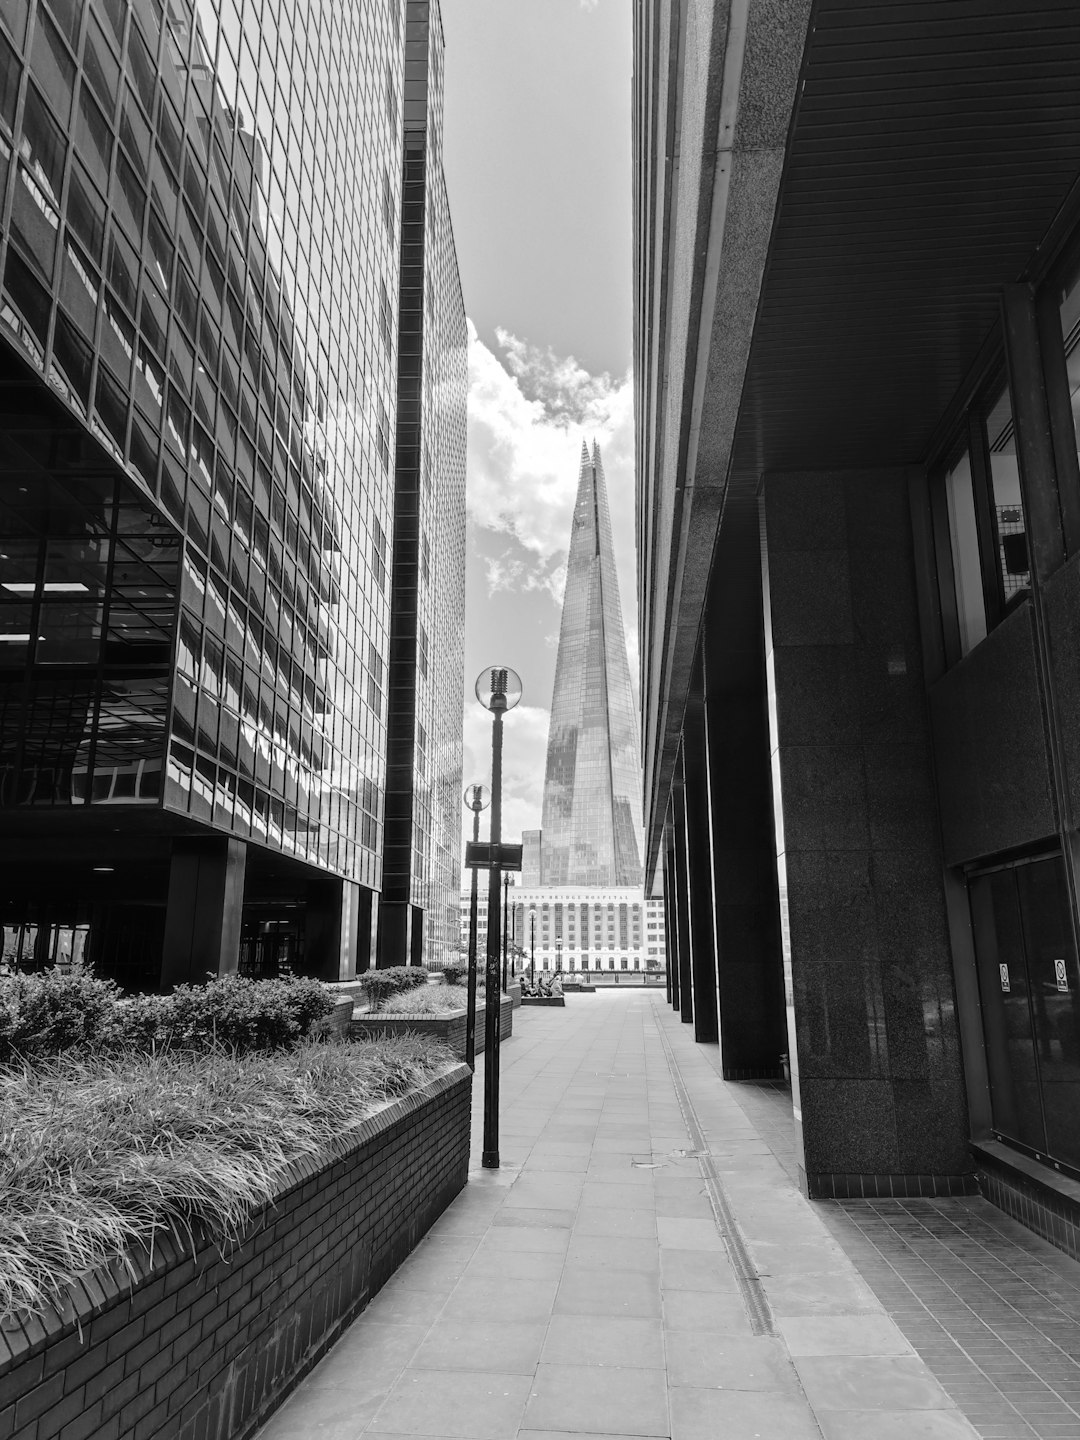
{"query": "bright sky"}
{"type": "Point", "coordinates": [538, 168]}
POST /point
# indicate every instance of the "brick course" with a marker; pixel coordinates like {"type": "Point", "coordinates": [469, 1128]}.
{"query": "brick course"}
{"type": "Point", "coordinates": [205, 1347]}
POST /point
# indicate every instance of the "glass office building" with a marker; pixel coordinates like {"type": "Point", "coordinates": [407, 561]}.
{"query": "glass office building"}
{"type": "Point", "coordinates": [591, 832]}
{"type": "Point", "coordinates": [201, 325]}
{"type": "Point", "coordinates": [421, 853]}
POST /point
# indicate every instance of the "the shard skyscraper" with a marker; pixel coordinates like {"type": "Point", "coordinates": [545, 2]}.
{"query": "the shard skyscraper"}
{"type": "Point", "coordinates": [592, 830]}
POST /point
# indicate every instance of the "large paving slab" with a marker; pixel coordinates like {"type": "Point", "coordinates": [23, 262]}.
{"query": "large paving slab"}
{"type": "Point", "coordinates": [640, 1265]}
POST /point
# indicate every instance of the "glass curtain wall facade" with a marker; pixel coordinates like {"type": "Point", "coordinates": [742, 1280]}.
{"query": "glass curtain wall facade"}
{"type": "Point", "coordinates": [199, 325]}
{"type": "Point", "coordinates": [591, 833]}
{"type": "Point", "coordinates": [422, 861]}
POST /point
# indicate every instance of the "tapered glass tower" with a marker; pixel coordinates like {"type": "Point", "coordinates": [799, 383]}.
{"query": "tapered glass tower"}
{"type": "Point", "coordinates": [592, 786]}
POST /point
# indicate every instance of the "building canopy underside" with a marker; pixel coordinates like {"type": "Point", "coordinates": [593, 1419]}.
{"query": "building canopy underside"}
{"type": "Point", "coordinates": [931, 149]}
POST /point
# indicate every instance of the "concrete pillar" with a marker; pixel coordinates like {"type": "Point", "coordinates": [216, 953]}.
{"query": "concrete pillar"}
{"type": "Point", "coordinates": [392, 933]}
{"type": "Point", "coordinates": [682, 903]}
{"type": "Point", "coordinates": [876, 1055]}
{"type": "Point", "coordinates": [753, 1029]}
{"type": "Point", "coordinates": [366, 928]}
{"type": "Point", "coordinates": [204, 910]}
{"type": "Point", "coordinates": [671, 924]}
{"type": "Point", "coordinates": [700, 871]}
{"type": "Point", "coordinates": [332, 919]}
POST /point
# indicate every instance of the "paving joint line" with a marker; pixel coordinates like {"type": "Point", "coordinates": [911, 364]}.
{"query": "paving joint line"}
{"type": "Point", "coordinates": [746, 1275]}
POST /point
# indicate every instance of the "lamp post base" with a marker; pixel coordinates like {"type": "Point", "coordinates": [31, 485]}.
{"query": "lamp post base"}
{"type": "Point", "coordinates": [490, 1160]}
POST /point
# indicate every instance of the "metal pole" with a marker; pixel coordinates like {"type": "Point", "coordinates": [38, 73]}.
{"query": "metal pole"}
{"type": "Point", "coordinates": [470, 1013]}
{"type": "Point", "coordinates": [532, 946]}
{"type": "Point", "coordinates": [505, 919]}
{"type": "Point", "coordinates": [490, 1155]}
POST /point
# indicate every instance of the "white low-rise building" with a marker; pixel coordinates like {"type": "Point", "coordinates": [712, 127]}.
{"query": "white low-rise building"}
{"type": "Point", "coordinates": [605, 932]}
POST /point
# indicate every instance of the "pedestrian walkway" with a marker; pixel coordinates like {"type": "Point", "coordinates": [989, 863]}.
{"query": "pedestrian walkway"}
{"type": "Point", "coordinates": [641, 1265]}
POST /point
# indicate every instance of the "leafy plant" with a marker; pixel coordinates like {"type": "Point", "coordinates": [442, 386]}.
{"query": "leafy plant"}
{"type": "Point", "coordinates": [47, 1013]}
{"type": "Point", "coordinates": [50, 1014]}
{"type": "Point", "coordinates": [379, 985]}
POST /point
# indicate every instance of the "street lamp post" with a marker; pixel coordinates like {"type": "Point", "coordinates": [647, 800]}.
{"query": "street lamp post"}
{"type": "Point", "coordinates": [498, 689]}
{"type": "Point", "coordinates": [532, 946]}
{"type": "Point", "coordinates": [558, 957]}
{"type": "Point", "coordinates": [476, 799]}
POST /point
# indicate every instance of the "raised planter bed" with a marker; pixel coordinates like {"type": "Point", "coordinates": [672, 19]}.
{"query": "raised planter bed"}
{"type": "Point", "coordinates": [543, 1000]}
{"type": "Point", "coordinates": [208, 1344]}
{"type": "Point", "coordinates": [449, 1027]}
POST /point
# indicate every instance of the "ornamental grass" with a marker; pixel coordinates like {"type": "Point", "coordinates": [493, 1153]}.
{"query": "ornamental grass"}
{"type": "Point", "coordinates": [432, 1000]}
{"type": "Point", "coordinates": [101, 1153]}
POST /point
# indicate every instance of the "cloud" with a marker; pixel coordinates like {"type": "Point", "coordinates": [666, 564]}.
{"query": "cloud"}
{"type": "Point", "coordinates": [502, 572]}
{"type": "Point", "coordinates": [529, 410]}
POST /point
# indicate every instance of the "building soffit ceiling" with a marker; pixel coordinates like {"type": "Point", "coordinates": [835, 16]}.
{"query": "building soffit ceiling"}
{"type": "Point", "coordinates": [737, 107]}
{"type": "Point", "coordinates": [931, 151]}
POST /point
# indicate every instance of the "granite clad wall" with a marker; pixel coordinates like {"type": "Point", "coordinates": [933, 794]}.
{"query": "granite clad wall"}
{"type": "Point", "coordinates": [993, 771]}
{"type": "Point", "coordinates": [205, 1347]}
{"type": "Point", "coordinates": [1061, 606]}
{"type": "Point", "coordinates": [877, 1062]}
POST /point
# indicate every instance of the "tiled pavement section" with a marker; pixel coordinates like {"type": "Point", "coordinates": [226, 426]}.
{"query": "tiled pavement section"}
{"type": "Point", "coordinates": [993, 1309]}
{"type": "Point", "coordinates": [584, 1289]}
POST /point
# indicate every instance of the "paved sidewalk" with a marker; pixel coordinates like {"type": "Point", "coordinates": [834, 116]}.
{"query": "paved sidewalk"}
{"type": "Point", "coordinates": [612, 1279]}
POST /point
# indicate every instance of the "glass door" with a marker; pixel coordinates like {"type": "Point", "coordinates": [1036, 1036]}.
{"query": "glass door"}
{"type": "Point", "coordinates": [1030, 989]}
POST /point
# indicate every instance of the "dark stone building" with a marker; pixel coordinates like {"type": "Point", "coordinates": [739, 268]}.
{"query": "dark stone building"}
{"type": "Point", "coordinates": [857, 270]}
{"type": "Point", "coordinates": [216, 281]}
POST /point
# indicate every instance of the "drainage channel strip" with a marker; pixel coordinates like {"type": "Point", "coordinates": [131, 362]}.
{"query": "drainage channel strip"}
{"type": "Point", "coordinates": [746, 1276]}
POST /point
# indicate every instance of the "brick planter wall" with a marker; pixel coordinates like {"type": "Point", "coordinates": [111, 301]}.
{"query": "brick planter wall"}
{"type": "Point", "coordinates": [449, 1027]}
{"type": "Point", "coordinates": [206, 1347]}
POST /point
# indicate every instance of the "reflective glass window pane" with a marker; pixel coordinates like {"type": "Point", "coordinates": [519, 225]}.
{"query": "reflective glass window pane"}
{"type": "Point", "coordinates": [86, 211]}
{"type": "Point", "coordinates": [53, 66]}
{"type": "Point", "coordinates": [93, 138]}
{"type": "Point", "coordinates": [1010, 525]}
{"type": "Point", "coordinates": [967, 575]}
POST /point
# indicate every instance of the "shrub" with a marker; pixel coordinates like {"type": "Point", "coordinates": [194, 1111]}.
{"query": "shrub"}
{"type": "Point", "coordinates": [105, 1151]}
{"type": "Point", "coordinates": [379, 985]}
{"type": "Point", "coordinates": [457, 972]}
{"type": "Point", "coordinates": [47, 1013]}
{"type": "Point", "coordinates": [242, 1014]}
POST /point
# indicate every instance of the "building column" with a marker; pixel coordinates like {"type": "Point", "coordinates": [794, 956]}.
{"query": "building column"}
{"type": "Point", "coordinates": [332, 916]}
{"type": "Point", "coordinates": [366, 929]}
{"type": "Point", "coordinates": [876, 1051]}
{"type": "Point", "coordinates": [682, 900]}
{"type": "Point", "coordinates": [699, 870]}
{"type": "Point", "coordinates": [671, 923]}
{"type": "Point", "coordinates": [204, 910]}
{"type": "Point", "coordinates": [749, 961]}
